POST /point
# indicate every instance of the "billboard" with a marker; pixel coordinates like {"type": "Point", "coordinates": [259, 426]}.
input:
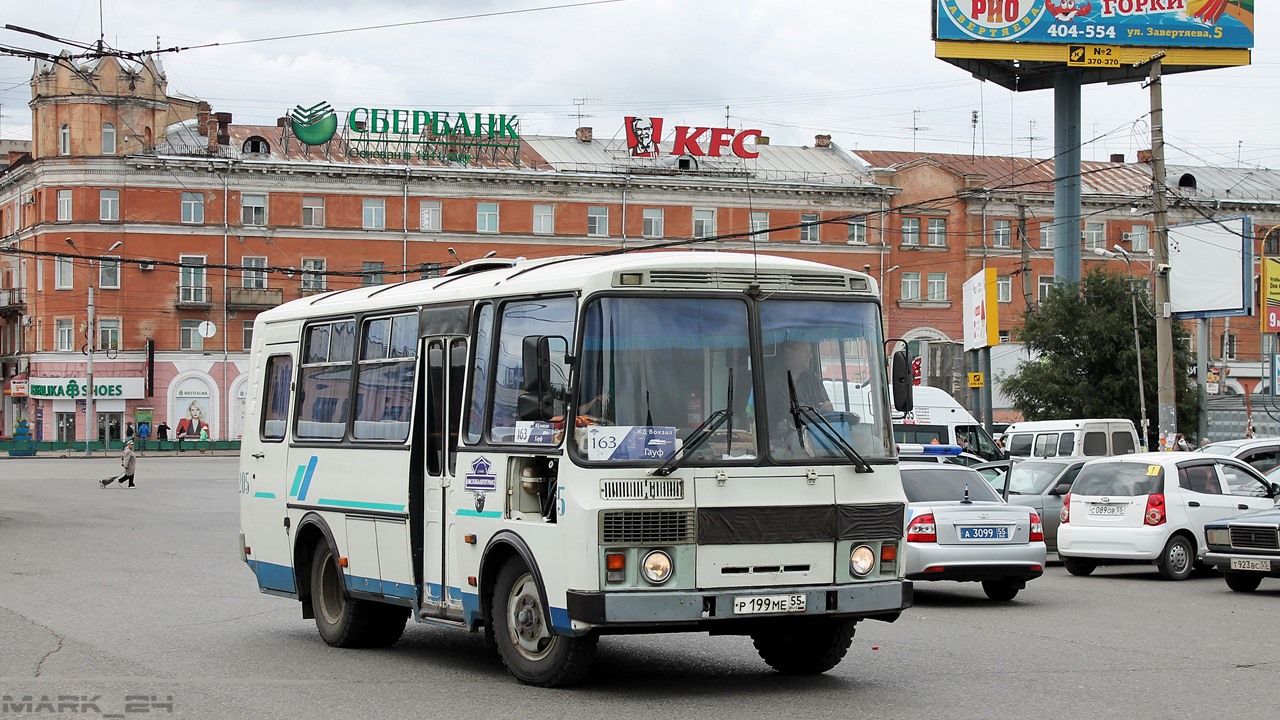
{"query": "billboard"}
{"type": "Point", "coordinates": [1209, 24]}
{"type": "Point", "coordinates": [1211, 268]}
{"type": "Point", "coordinates": [981, 311]}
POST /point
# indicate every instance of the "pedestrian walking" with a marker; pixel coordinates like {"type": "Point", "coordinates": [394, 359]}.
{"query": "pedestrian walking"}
{"type": "Point", "coordinates": [144, 432]}
{"type": "Point", "coordinates": [128, 431]}
{"type": "Point", "coordinates": [127, 460]}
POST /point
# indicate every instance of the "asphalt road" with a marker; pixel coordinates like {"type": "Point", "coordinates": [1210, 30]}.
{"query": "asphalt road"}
{"type": "Point", "coordinates": [126, 598]}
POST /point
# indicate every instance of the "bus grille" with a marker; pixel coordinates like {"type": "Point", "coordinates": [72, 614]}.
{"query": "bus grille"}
{"type": "Point", "coordinates": [768, 281]}
{"type": "Point", "coordinates": [646, 527]}
{"type": "Point", "coordinates": [644, 489]}
{"type": "Point", "coordinates": [1255, 538]}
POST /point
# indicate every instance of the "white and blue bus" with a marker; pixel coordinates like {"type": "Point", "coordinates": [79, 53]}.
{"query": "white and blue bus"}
{"type": "Point", "coordinates": [552, 450]}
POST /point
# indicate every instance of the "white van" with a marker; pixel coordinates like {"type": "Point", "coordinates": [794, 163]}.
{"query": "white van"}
{"type": "Point", "coordinates": [1091, 437]}
{"type": "Point", "coordinates": [937, 417]}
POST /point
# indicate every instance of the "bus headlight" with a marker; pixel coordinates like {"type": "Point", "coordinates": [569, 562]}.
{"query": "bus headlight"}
{"type": "Point", "coordinates": [862, 560]}
{"type": "Point", "coordinates": [656, 567]}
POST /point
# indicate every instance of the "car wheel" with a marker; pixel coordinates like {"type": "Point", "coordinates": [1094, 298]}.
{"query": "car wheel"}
{"type": "Point", "coordinates": [1178, 559]}
{"type": "Point", "coordinates": [1079, 566]}
{"type": "Point", "coordinates": [1002, 590]}
{"type": "Point", "coordinates": [1243, 582]}
{"type": "Point", "coordinates": [526, 641]}
{"type": "Point", "coordinates": [344, 621]}
{"type": "Point", "coordinates": [804, 647]}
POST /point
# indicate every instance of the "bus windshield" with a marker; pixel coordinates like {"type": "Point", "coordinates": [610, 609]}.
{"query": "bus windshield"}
{"type": "Point", "coordinates": [657, 372]}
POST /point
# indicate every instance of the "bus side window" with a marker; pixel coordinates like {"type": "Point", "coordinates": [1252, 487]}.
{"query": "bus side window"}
{"type": "Point", "coordinates": [480, 374]}
{"type": "Point", "coordinates": [275, 397]}
{"type": "Point", "coordinates": [457, 378]}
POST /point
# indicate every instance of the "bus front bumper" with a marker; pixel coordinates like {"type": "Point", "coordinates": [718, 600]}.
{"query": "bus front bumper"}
{"type": "Point", "coordinates": [877, 600]}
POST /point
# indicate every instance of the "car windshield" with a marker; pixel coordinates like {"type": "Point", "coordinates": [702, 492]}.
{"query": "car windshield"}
{"type": "Point", "coordinates": [1122, 479]}
{"type": "Point", "coordinates": [1220, 449]}
{"type": "Point", "coordinates": [654, 369]}
{"type": "Point", "coordinates": [946, 484]}
{"type": "Point", "coordinates": [1033, 478]}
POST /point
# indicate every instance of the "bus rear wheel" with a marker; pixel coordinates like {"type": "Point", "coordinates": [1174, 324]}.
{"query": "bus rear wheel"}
{"type": "Point", "coordinates": [344, 621]}
{"type": "Point", "coordinates": [806, 647]}
{"type": "Point", "coordinates": [526, 642]}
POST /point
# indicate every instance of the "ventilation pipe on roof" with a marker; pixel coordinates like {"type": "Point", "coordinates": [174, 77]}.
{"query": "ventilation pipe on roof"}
{"type": "Point", "coordinates": [1117, 157]}
{"type": "Point", "coordinates": [762, 139]}
{"type": "Point", "coordinates": [202, 117]}
{"type": "Point", "coordinates": [583, 134]}
{"type": "Point", "coordinates": [224, 133]}
{"type": "Point", "coordinates": [822, 141]}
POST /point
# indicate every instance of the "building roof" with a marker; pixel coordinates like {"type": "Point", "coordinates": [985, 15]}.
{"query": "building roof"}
{"type": "Point", "coordinates": [1033, 175]}
{"type": "Point", "coordinates": [1235, 184]}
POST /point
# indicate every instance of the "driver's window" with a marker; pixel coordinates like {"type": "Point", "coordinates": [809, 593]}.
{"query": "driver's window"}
{"type": "Point", "coordinates": [549, 318]}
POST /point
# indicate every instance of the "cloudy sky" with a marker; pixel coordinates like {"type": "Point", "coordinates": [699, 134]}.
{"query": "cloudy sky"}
{"type": "Point", "coordinates": [859, 70]}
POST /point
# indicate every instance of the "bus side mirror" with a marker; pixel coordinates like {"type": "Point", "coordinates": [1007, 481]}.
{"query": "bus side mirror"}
{"type": "Point", "coordinates": [900, 377]}
{"type": "Point", "coordinates": [541, 357]}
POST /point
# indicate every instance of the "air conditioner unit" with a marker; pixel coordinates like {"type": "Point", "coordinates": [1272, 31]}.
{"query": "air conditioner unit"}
{"type": "Point", "coordinates": [147, 265]}
{"type": "Point", "coordinates": [1126, 236]}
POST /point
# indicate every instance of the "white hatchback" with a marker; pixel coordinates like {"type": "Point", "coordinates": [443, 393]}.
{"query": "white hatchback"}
{"type": "Point", "coordinates": [1152, 507]}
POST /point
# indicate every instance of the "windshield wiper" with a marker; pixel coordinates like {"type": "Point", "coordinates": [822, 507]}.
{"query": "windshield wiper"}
{"type": "Point", "coordinates": [806, 415]}
{"type": "Point", "coordinates": [701, 433]}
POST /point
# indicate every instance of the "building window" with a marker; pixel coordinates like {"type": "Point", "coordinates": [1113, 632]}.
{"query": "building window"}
{"type": "Point", "coordinates": [108, 139]}
{"type": "Point", "coordinates": [1046, 236]}
{"type": "Point", "coordinates": [428, 270]}
{"type": "Point", "coordinates": [313, 212]}
{"type": "Point", "coordinates": [1140, 236]}
{"type": "Point", "coordinates": [1003, 237]}
{"type": "Point", "coordinates": [544, 219]}
{"type": "Point", "coordinates": [109, 273]}
{"type": "Point", "coordinates": [375, 214]}
{"type": "Point", "coordinates": [910, 231]}
{"type": "Point", "coordinates": [1004, 289]}
{"type": "Point", "coordinates": [189, 335]}
{"type": "Point", "coordinates": [246, 335]}
{"type": "Point", "coordinates": [63, 273]}
{"type": "Point", "coordinates": [704, 223]}
{"type": "Point", "coordinates": [371, 273]}
{"type": "Point", "coordinates": [193, 208]}
{"type": "Point", "coordinates": [809, 228]}
{"type": "Point", "coordinates": [109, 205]}
{"type": "Point", "coordinates": [64, 140]}
{"type": "Point", "coordinates": [597, 221]}
{"type": "Point", "coordinates": [108, 334]}
{"type": "Point", "coordinates": [253, 209]}
{"type": "Point", "coordinates": [313, 274]}
{"type": "Point", "coordinates": [759, 226]}
{"type": "Point", "coordinates": [654, 221]}
{"type": "Point", "coordinates": [937, 232]}
{"type": "Point", "coordinates": [253, 274]}
{"type": "Point", "coordinates": [486, 217]}
{"type": "Point", "coordinates": [1043, 285]}
{"type": "Point", "coordinates": [910, 286]}
{"type": "Point", "coordinates": [64, 335]}
{"type": "Point", "coordinates": [1095, 235]}
{"type": "Point", "coordinates": [1006, 336]}
{"type": "Point", "coordinates": [430, 216]}
{"type": "Point", "coordinates": [191, 279]}
{"type": "Point", "coordinates": [64, 206]}
{"type": "Point", "coordinates": [858, 232]}
{"type": "Point", "coordinates": [937, 286]}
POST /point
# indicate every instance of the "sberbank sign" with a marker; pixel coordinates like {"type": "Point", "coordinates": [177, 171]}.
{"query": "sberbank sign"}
{"type": "Point", "coordinates": [441, 124]}
{"type": "Point", "coordinates": [403, 134]}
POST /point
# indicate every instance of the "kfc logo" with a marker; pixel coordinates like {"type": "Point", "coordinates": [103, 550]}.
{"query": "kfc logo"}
{"type": "Point", "coordinates": [643, 134]}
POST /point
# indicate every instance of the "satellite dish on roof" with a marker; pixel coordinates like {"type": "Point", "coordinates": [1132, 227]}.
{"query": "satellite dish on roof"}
{"type": "Point", "coordinates": [207, 329]}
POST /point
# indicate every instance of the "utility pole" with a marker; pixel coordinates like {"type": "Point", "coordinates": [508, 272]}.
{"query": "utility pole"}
{"type": "Point", "coordinates": [91, 417]}
{"type": "Point", "coordinates": [1168, 392]}
{"type": "Point", "coordinates": [1026, 251]}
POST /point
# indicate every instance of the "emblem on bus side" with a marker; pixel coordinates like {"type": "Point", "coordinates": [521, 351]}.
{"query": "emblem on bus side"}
{"type": "Point", "coordinates": [481, 481]}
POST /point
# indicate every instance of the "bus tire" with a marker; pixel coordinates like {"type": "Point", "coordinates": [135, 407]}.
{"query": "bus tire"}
{"type": "Point", "coordinates": [808, 647]}
{"type": "Point", "coordinates": [528, 646]}
{"type": "Point", "coordinates": [344, 621]}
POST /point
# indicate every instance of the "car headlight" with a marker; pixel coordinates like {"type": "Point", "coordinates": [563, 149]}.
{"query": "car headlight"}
{"type": "Point", "coordinates": [1218, 536]}
{"type": "Point", "coordinates": [656, 567]}
{"type": "Point", "coordinates": [862, 560]}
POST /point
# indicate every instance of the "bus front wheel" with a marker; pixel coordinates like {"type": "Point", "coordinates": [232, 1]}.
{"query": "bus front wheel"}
{"type": "Point", "coordinates": [807, 647]}
{"type": "Point", "coordinates": [344, 621]}
{"type": "Point", "coordinates": [526, 642]}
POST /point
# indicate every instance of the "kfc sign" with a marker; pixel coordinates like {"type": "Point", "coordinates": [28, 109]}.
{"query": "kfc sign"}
{"type": "Point", "coordinates": [643, 134]}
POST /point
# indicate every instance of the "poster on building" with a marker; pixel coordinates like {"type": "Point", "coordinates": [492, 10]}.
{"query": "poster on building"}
{"type": "Point", "coordinates": [192, 400]}
{"type": "Point", "coordinates": [1270, 295]}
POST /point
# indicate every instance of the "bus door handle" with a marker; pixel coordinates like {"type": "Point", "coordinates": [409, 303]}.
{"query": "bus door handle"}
{"type": "Point", "coordinates": [259, 455]}
{"type": "Point", "coordinates": [1193, 503]}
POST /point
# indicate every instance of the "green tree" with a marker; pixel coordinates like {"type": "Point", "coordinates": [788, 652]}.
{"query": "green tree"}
{"type": "Point", "coordinates": [1085, 366]}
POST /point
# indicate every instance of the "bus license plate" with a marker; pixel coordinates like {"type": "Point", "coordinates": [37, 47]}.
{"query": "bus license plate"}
{"type": "Point", "coordinates": [984, 533]}
{"type": "Point", "coordinates": [1249, 564]}
{"type": "Point", "coordinates": [755, 604]}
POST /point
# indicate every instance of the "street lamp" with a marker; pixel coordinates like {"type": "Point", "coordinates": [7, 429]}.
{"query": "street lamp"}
{"type": "Point", "coordinates": [91, 415]}
{"type": "Point", "coordinates": [1137, 342]}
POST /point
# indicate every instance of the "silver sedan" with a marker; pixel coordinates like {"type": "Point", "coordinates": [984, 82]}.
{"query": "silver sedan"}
{"type": "Point", "coordinates": [959, 529]}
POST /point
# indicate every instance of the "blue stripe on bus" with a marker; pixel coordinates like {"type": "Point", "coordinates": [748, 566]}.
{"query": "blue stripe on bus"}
{"type": "Point", "coordinates": [358, 505]}
{"type": "Point", "coordinates": [297, 481]}
{"type": "Point", "coordinates": [272, 576]}
{"type": "Point", "coordinates": [485, 514]}
{"type": "Point", "coordinates": [306, 478]}
{"type": "Point", "coordinates": [269, 496]}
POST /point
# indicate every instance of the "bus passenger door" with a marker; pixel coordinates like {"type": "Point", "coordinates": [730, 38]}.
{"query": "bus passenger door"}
{"type": "Point", "coordinates": [264, 471]}
{"type": "Point", "coordinates": [445, 365]}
